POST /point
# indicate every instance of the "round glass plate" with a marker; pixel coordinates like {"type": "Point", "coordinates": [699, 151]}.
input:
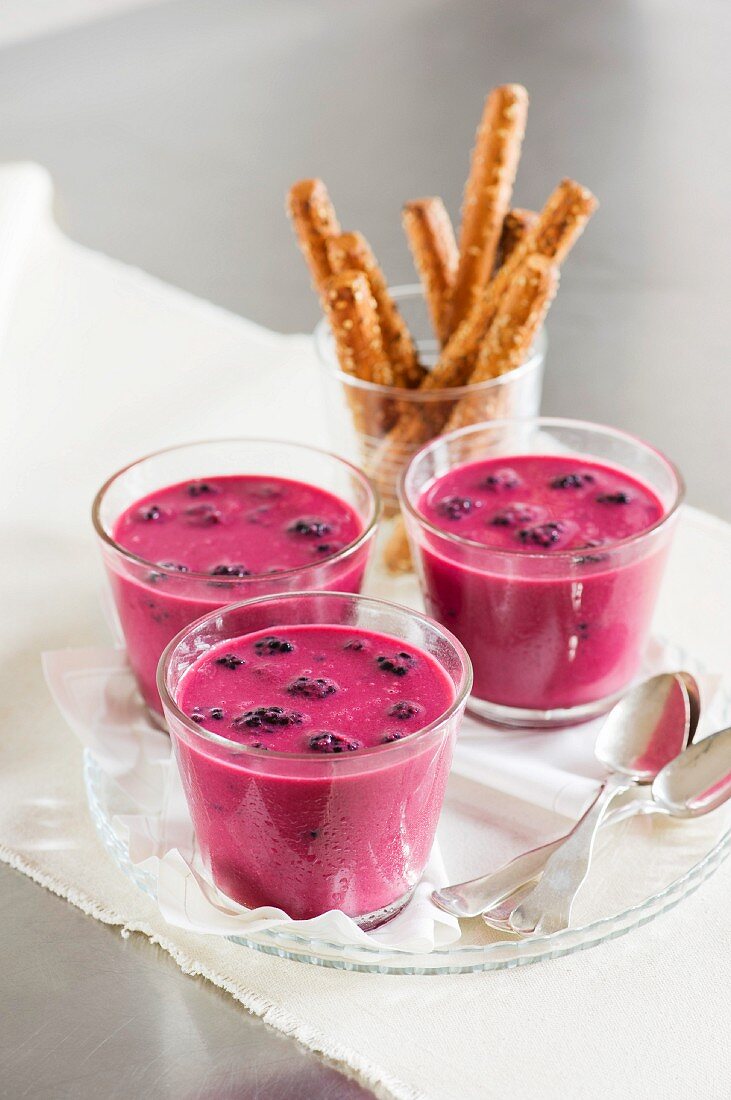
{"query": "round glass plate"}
{"type": "Point", "coordinates": [644, 865]}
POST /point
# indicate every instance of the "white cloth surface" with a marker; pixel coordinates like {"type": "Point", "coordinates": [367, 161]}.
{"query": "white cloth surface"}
{"type": "Point", "coordinates": [102, 363]}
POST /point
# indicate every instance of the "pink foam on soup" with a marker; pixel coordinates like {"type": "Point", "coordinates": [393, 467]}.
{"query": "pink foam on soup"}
{"type": "Point", "coordinates": [543, 636]}
{"type": "Point", "coordinates": [295, 824]}
{"type": "Point", "coordinates": [226, 528]}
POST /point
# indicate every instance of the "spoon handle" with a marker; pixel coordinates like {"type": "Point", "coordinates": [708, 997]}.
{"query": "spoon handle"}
{"type": "Point", "coordinates": [547, 908]}
{"type": "Point", "coordinates": [470, 899]}
{"type": "Point", "coordinates": [478, 895]}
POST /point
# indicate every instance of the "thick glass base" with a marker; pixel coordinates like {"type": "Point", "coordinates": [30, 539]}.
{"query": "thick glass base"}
{"type": "Point", "coordinates": [387, 913]}
{"type": "Point", "coordinates": [526, 718]}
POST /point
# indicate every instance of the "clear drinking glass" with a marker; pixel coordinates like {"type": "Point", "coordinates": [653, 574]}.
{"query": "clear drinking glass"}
{"type": "Point", "coordinates": [300, 831]}
{"type": "Point", "coordinates": [554, 637]}
{"type": "Point", "coordinates": [517, 393]}
{"type": "Point", "coordinates": [153, 602]}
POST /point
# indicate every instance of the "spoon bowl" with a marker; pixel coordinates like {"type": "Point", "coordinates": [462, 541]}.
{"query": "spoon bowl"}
{"type": "Point", "coordinates": [699, 780]}
{"type": "Point", "coordinates": [695, 783]}
{"type": "Point", "coordinates": [470, 899]}
{"type": "Point", "coordinates": [648, 728]}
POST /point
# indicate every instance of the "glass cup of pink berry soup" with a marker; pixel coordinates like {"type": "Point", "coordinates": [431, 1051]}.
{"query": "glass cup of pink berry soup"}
{"type": "Point", "coordinates": [542, 544]}
{"type": "Point", "coordinates": [314, 736]}
{"type": "Point", "coordinates": [195, 527]}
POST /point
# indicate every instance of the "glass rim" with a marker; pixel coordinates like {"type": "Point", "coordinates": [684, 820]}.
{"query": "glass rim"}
{"type": "Point", "coordinates": [546, 421]}
{"type": "Point", "coordinates": [462, 690]}
{"type": "Point", "coordinates": [375, 511]}
{"type": "Point", "coordinates": [417, 396]}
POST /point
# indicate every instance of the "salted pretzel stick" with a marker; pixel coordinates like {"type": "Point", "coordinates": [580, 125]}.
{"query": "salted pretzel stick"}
{"type": "Point", "coordinates": [354, 321]}
{"type": "Point", "coordinates": [351, 252]}
{"type": "Point", "coordinates": [315, 221]}
{"type": "Point", "coordinates": [516, 224]}
{"type": "Point", "coordinates": [508, 343]}
{"type": "Point", "coordinates": [558, 226]}
{"type": "Point", "coordinates": [512, 333]}
{"type": "Point", "coordinates": [487, 192]}
{"type": "Point", "coordinates": [430, 235]}
{"type": "Point", "coordinates": [556, 229]}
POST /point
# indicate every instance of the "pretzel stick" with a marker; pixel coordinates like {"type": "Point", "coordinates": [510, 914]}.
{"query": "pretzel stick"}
{"type": "Point", "coordinates": [506, 347]}
{"type": "Point", "coordinates": [351, 252]}
{"type": "Point", "coordinates": [516, 224]}
{"type": "Point", "coordinates": [557, 228]}
{"type": "Point", "coordinates": [354, 321]}
{"type": "Point", "coordinates": [512, 333]}
{"type": "Point", "coordinates": [487, 192]}
{"type": "Point", "coordinates": [314, 221]}
{"type": "Point", "coordinates": [397, 551]}
{"type": "Point", "coordinates": [351, 312]}
{"type": "Point", "coordinates": [430, 235]}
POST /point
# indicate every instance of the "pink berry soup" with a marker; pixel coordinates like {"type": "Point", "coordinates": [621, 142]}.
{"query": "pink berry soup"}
{"type": "Point", "coordinates": [311, 820]}
{"type": "Point", "coordinates": [543, 634]}
{"type": "Point", "coordinates": [210, 542]}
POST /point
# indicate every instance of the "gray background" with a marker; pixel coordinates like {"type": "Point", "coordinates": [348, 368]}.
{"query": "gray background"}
{"type": "Point", "coordinates": [172, 133]}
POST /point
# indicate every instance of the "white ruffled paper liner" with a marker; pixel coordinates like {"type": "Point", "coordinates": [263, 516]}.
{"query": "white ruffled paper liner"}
{"type": "Point", "coordinates": [95, 691]}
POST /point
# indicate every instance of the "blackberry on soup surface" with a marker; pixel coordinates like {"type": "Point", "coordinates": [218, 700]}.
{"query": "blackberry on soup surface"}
{"type": "Point", "coordinates": [154, 577]}
{"type": "Point", "coordinates": [619, 497]}
{"type": "Point", "coordinates": [271, 646]}
{"type": "Point", "coordinates": [543, 535]}
{"type": "Point", "coordinates": [398, 665]}
{"type": "Point", "coordinates": [324, 741]}
{"type": "Point", "coordinates": [230, 571]}
{"type": "Point", "coordinates": [455, 507]}
{"type": "Point", "coordinates": [267, 717]}
{"type": "Point", "coordinates": [501, 479]}
{"type": "Point", "coordinates": [202, 515]}
{"type": "Point", "coordinates": [200, 489]}
{"type": "Point", "coordinates": [310, 528]}
{"type": "Point", "coordinates": [572, 481]}
{"type": "Point", "coordinates": [312, 687]}
{"type": "Point", "coordinates": [150, 513]}
{"type": "Point", "coordinates": [230, 660]}
{"type": "Point", "coordinates": [403, 710]}
{"type": "Point", "coordinates": [514, 515]}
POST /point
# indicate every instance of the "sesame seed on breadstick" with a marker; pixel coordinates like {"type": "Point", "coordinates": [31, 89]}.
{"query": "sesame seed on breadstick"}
{"type": "Point", "coordinates": [354, 321]}
{"type": "Point", "coordinates": [351, 252]}
{"type": "Point", "coordinates": [558, 226]}
{"type": "Point", "coordinates": [429, 232]}
{"type": "Point", "coordinates": [315, 221]}
{"type": "Point", "coordinates": [487, 192]}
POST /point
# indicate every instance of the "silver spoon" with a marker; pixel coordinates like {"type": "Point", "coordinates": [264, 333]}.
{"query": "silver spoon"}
{"type": "Point", "coordinates": [697, 782]}
{"type": "Point", "coordinates": [644, 732]}
{"type": "Point", "coordinates": [470, 899]}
